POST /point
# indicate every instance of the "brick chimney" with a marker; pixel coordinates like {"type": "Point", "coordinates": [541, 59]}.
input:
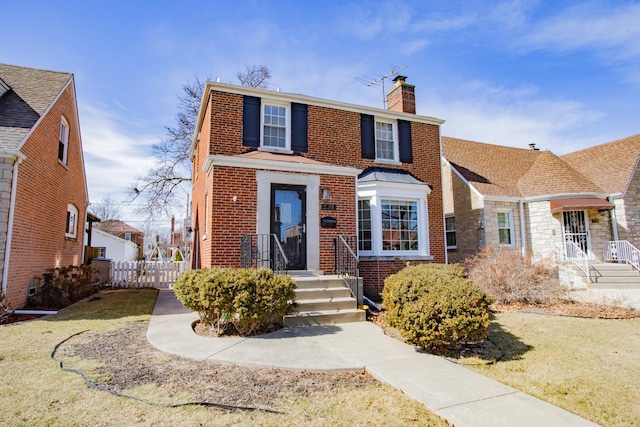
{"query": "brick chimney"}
{"type": "Point", "coordinates": [402, 96]}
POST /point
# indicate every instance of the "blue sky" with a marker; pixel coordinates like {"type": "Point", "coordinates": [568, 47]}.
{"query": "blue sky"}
{"type": "Point", "coordinates": [562, 74]}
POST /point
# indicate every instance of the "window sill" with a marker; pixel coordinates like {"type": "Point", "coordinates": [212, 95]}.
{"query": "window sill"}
{"type": "Point", "coordinates": [204, 237]}
{"type": "Point", "coordinates": [63, 164]}
{"type": "Point", "coordinates": [395, 257]}
{"type": "Point", "coordinates": [452, 248]}
{"type": "Point", "coordinates": [275, 150]}
{"type": "Point", "coordinates": [388, 162]}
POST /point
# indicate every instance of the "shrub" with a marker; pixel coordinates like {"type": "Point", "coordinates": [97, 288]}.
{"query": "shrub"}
{"type": "Point", "coordinates": [435, 305]}
{"type": "Point", "coordinates": [246, 298]}
{"type": "Point", "coordinates": [64, 286]}
{"type": "Point", "coordinates": [508, 277]}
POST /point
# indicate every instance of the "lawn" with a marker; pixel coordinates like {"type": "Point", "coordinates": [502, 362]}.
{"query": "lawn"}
{"type": "Point", "coordinates": [587, 366]}
{"type": "Point", "coordinates": [35, 392]}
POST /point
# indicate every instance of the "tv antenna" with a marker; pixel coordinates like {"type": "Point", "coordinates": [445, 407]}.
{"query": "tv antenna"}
{"type": "Point", "coordinates": [374, 81]}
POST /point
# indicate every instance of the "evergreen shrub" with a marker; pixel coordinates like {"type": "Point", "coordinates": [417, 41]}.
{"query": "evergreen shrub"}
{"type": "Point", "coordinates": [435, 305]}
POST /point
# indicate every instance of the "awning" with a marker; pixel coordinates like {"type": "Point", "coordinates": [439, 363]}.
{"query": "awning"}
{"type": "Point", "coordinates": [559, 205]}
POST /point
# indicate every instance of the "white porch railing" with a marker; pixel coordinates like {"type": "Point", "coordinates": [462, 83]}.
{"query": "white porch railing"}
{"type": "Point", "coordinates": [622, 251]}
{"type": "Point", "coordinates": [574, 254]}
{"type": "Point", "coordinates": [142, 274]}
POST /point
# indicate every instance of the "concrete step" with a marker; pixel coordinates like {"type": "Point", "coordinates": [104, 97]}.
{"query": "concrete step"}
{"type": "Point", "coordinates": [324, 317]}
{"type": "Point", "coordinates": [311, 293]}
{"type": "Point", "coordinates": [614, 285]}
{"type": "Point", "coordinates": [616, 279]}
{"type": "Point", "coordinates": [322, 304]}
{"type": "Point", "coordinates": [327, 281]}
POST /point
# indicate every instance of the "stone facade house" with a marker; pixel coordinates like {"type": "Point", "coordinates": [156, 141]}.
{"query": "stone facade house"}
{"type": "Point", "coordinates": [311, 171]}
{"type": "Point", "coordinates": [529, 200]}
{"type": "Point", "coordinates": [43, 190]}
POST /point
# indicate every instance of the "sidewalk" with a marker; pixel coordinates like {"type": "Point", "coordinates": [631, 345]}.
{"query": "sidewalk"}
{"type": "Point", "coordinates": [463, 397]}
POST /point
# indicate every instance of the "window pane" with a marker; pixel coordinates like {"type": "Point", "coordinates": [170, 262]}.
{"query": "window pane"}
{"type": "Point", "coordinates": [275, 121]}
{"type": "Point", "coordinates": [399, 225]}
{"type": "Point", "coordinates": [384, 141]}
{"type": "Point", "coordinates": [450, 223]}
{"type": "Point", "coordinates": [505, 236]}
{"type": "Point", "coordinates": [502, 220]}
{"type": "Point", "coordinates": [504, 228]}
{"type": "Point", "coordinates": [364, 225]}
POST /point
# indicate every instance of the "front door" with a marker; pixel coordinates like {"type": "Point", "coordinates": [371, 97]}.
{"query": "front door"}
{"type": "Point", "coordinates": [288, 222]}
{"type": "Point", "coordinates": [574, 229]}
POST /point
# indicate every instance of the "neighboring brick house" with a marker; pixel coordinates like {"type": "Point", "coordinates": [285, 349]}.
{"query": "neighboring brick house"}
{"type": "Point", "coordinates": [516, 198]}
{"type": "Point", "coordinates": [614, 167]}
{"type": "Point", "coordinates": [43, 191]}
{"type": "Point", "coordinates": [310, 170]}
{"type": "Point", "coordinates": [124, 231]}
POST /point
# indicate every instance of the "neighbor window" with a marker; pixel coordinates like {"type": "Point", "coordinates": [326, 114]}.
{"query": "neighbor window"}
{"type": "Point", "coordinates": [505, 228]}
{"type": "Point", "coordinates": [102, 252]}
{"type": "Point", "coordinates": [72, 221]}
{"type": "Point", "coordinates": [450, 231]}
{"type": "Point", "coordinates": [127, 236]}
{"type": "Point", "coordinates": [386, 146]}
{"type": "Point", "coordinates": [275, 119]}
{"type": "Point", "coordinates": [63, 141]}
{"type": "Point", "coordinates": [364, 225]}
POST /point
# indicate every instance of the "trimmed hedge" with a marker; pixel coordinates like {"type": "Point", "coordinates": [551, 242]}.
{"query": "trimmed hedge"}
{"type": "Point", "coordinates": [246, 298]}
{"type": "Point", "coordinates": [435, 305]}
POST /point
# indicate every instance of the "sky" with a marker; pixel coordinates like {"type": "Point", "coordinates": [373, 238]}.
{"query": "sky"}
{"type": "Point", "coordinates": [564, 75]}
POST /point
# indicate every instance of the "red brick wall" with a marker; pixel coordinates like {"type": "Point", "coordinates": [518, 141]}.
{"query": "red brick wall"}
{"type": "Point", "coordinates": [44, 188]}
{"type": "Point", "coordinates": [333, 138]}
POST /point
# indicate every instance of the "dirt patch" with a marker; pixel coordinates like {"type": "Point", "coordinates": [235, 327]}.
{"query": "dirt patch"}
{"type": "Point", "coordinates": [572, 309]}
{"type": "Point", "coordinates": [231, 332]}
{"type": "Point", "coordinates": [129, 361]}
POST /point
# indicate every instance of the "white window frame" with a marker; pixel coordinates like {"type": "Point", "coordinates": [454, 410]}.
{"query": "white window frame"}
{"type": "Point", "coordinates": [447, 231]}
{"type": "Point", "coordinates": [394, 133]}
{"type": "Point", "coordinates": [360, 223]}
{"type": "Point", "coordinates": [376, 192]}
{"type": "Point", "coordinates": [63, 139]}
{"type": "Point", "coordinates": [512, 236]}
{"type": "Point", "coordinates": [127, 236]}
{"type": "Point", "coordinates": [71, 229]}
{"type": "Point", "coordinates": [287, 127]}
{"type": "Point", "coordinates": [206, 215]}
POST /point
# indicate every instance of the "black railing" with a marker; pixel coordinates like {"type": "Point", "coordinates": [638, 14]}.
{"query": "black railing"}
{"type": "Point", "coordinates": [262, 251]}
{"type": "Point", "coordinates": [347, 264]}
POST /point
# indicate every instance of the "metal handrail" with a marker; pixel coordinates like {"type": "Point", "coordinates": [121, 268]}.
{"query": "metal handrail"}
{"type": "Point", "coordinates": [574, 253]}
{"type": "Point", "coordinates": [347, 265]}
{"type": "Point", "coordinates": [622, 251]}
{"type": "Point", "coordinates": [263, 251]}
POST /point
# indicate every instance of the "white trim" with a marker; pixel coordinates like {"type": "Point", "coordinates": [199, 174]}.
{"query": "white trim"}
{"type": "Point", "coordinates": [12, 209]}
{"type": "Point", "coordinates": [394, 136]}
{"type": "Point", "coordinates": [74, 212]}
{"type": "Point", "coordinates": [263, 221]}
{"type": "Point", "coordinates": [455, 231]}
{"type": "Point", "coordinates": [287, 125]}
{"type": "Point", "coordinates": [464, 180]}
{"type": "Point", "coordinates": [512, 235]}
{"type": "Point", "coordinates": [523, 233]}
{"type": "Point", "coordinates": [277, 165]}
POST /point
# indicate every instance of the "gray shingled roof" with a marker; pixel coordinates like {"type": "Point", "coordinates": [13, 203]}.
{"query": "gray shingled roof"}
{"type": "Point", "coordinates": [30, 93]}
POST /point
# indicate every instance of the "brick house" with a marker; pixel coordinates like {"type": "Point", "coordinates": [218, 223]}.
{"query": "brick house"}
{"type": "Point", "coordinates": [43, 190]}
{"type": "Point", "coordinates": [309, 170]}
{"type": "Point", "coordinates": [528, 200]}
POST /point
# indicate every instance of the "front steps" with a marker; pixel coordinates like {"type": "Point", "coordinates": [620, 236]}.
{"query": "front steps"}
{"type": "Point", "coordinates": [323, 300]}
{"type": "Point", "coordinates": [609, 276]}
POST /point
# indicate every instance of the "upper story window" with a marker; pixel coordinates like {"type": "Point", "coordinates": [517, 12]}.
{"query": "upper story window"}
{"type": "Point", "coordinates": [63, 140]}
{"type": "Point", "coordinates": [275, 129]}
{"type": "Point", "coordinates": [127, 236]}
{"type": "Point", "coordinates": [386, 147]}
{"type": "Point", "coordinates": [72, 221]}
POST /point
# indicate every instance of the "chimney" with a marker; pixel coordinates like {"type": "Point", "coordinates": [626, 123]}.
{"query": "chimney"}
{"type": "Point", "coordinates": [532, 147]}
{"type": "Point", "coordinates": [402, 96]}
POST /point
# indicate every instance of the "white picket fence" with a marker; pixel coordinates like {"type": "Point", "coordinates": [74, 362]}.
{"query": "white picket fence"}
{"type": "Point", "coordinates": [145, 274]}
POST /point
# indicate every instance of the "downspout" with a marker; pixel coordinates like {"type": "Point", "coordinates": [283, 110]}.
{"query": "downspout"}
{"type": "Point", "coordinates": [523, 234]}
{"type": "Point", "coordinates": [12, 206]}
{"type": "Point", "coordinates": [614, 219]}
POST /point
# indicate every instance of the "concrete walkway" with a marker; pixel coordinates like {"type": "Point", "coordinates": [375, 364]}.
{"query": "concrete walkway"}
{"type": "Point", "coordinates": [457, 394]}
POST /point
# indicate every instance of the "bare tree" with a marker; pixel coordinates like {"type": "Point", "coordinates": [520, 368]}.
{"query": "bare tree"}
{"type": "Point", "coordinates": [158, 190]}
{"type": "Point", "coordinates": [255, 76]}
{"type": "Point", "coordinates": [108, 209]}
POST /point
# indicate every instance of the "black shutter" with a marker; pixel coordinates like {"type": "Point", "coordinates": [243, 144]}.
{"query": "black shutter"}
{"type": "Point", "coordinates": [367, 136]}
{"type": "Point", "coordinates": [299, 127]}
{"type": "Point", "coordinates": [404, 137]}
{"type": "Point", "coordinates": [251, 121]}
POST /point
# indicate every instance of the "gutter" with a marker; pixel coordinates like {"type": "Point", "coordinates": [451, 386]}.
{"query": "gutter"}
{"type": "Point", "coordinates": [523, 233]}
{"type": "Point", "coordinates": [12, 207]}
{"type": "Point", "coordinates": [614, 219]}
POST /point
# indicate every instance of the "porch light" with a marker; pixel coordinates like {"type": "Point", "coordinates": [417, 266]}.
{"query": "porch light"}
{"type": "Point", "coordinates": [326, 194]}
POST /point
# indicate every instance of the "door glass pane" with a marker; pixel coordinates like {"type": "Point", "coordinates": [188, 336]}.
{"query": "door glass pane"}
{"type": "Point", "coordinates": [289, 224]}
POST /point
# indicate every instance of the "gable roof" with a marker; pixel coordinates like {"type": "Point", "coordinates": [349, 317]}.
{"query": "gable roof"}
{"type": "Point", "coordinates": [115, 226]}
{"type": "Point", "coordinates": [610, 165]}
{"type": "Point", "coordinates": [499, 171]}
{"type": "Point", "coordinates": [30, 93]}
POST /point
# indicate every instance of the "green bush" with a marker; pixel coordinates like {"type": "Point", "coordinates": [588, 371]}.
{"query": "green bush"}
{"type": "Point", "coordinates": [435, 305]}
{"type": "Point", "coordinates": [64, 286]}
{"type": "Point", "coordinates": [246, 298]}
